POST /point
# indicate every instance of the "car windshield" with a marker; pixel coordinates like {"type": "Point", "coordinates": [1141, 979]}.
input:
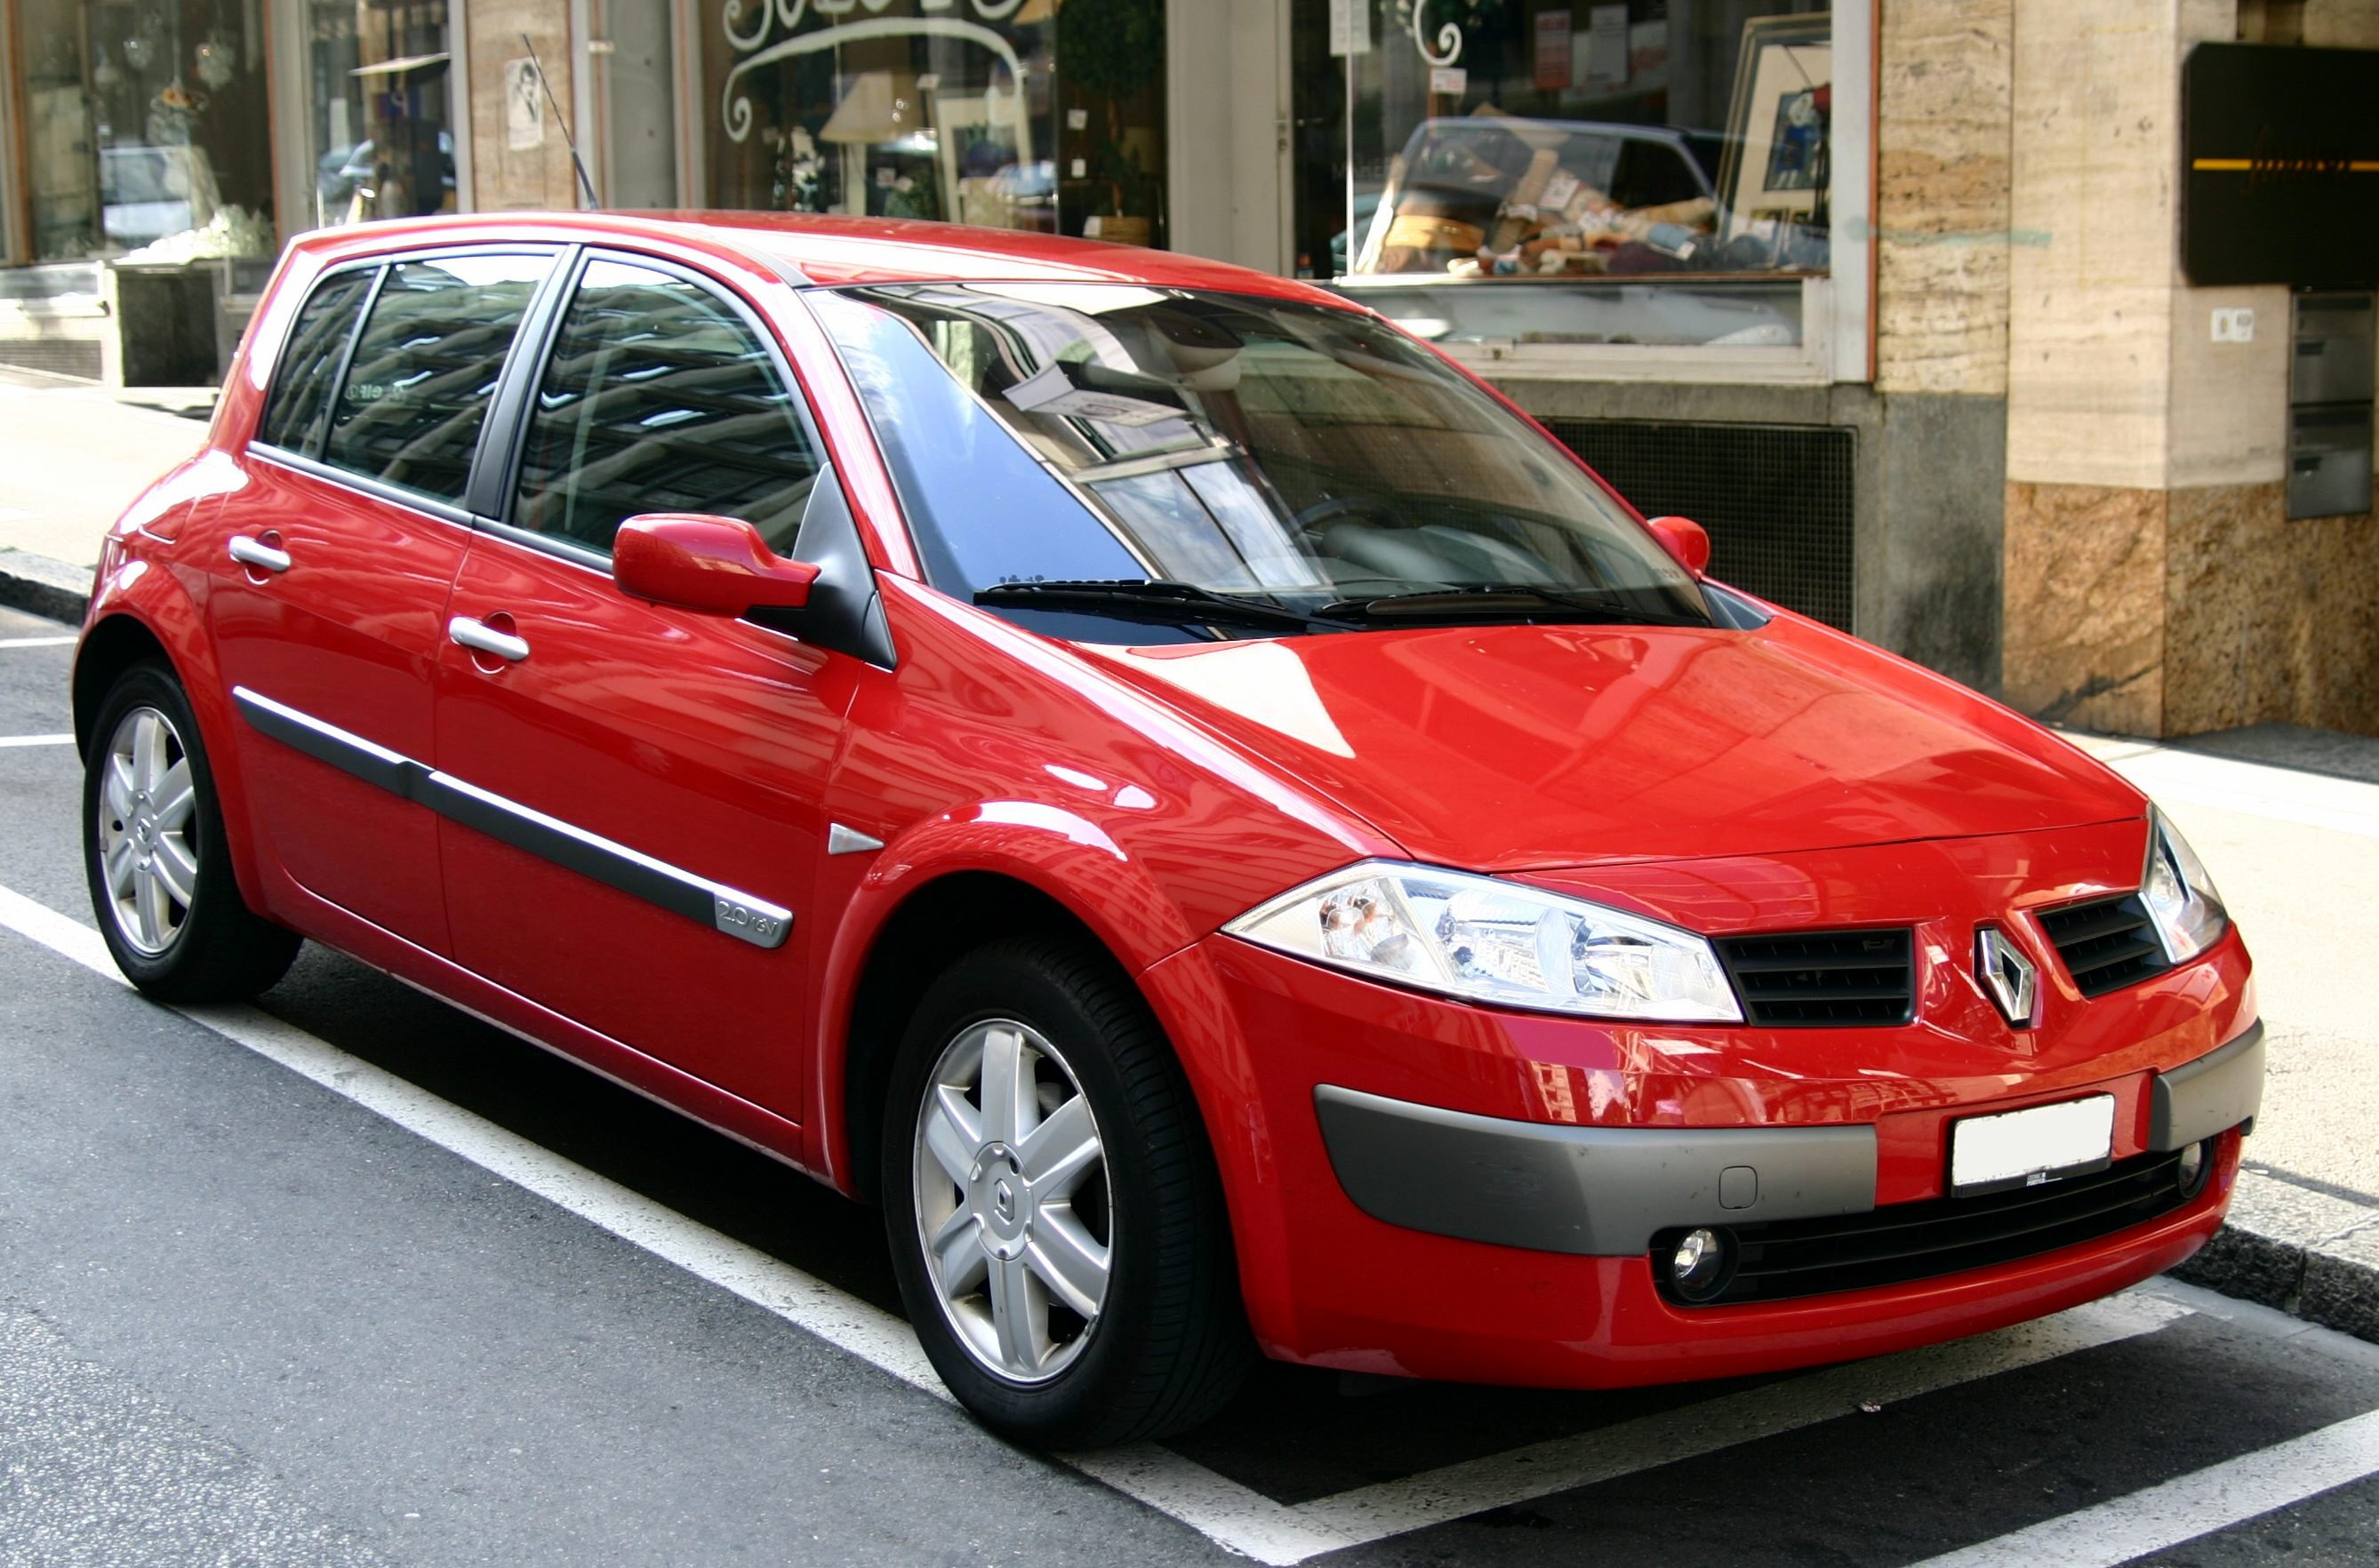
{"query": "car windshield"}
{"type": "Point", "coordinates": [1115, 463]}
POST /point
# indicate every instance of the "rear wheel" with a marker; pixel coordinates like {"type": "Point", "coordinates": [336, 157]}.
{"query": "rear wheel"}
{"type": "Point", "coordinates": [154, 852]}
{"type": "Point", "coordinates": [1052, 1205]}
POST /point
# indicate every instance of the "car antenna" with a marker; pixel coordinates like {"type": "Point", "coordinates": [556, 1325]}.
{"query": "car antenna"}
{"type": "Point", "coordinates": [563, 121]}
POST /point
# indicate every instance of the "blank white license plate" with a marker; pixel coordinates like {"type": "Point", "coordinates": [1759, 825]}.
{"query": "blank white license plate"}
{"type": "Point", "coordinates": [2028, 1146]}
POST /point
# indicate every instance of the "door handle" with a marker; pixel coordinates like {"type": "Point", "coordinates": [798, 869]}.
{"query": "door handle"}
{"type": "Point", "coordinates": [255, 554]}
{"type": "Point", "coordinates": [464, 631]}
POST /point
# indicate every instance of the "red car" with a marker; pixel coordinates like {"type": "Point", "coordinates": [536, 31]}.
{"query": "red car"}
{"type": "Point", "coordinates": [1228, 832]}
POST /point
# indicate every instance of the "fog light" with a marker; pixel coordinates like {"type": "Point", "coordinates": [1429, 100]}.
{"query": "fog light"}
{"type": "Point", "coordinates": [1699, 1265]}
{"type": "Point", "coordinates": [2189, 1171]}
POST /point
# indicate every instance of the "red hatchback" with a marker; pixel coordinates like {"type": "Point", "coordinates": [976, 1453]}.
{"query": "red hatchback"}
{"type": "Point", "coordinates": [1231, 835]}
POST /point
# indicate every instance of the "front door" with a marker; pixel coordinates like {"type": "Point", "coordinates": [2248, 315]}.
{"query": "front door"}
{"type": "Point", "coordinates": [644, 783]}
{"type": "Point", "coordinates": [332, 564]}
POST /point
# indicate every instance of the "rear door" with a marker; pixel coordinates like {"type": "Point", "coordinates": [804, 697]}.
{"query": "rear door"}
{"type": "Point", "coordinates": [331, 566]}
{"type": "Point", "coordinates": [646, 783]}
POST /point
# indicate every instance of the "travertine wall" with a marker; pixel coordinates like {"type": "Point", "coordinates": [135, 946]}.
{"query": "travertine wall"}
{"type": "Point", "coordinates": [1944, 79]}
{"type": "Point", "coordinates": [503, 178]}
{"type": "Point", "coordinates": [2154, 584]}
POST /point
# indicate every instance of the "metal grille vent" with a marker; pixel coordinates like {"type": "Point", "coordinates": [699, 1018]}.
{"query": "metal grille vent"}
{"type": "Point", "coordinates": [1901, 1242]}
{"type": "Point", "coordinates": [1807, 979]}
{"type": "Point", "coordinates": [1776, 499]}
{"type": "Point", "coordinates": [2106, 943]}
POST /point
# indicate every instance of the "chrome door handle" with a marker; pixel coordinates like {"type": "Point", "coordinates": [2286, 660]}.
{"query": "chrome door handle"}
{"type": "Point", "coordinates": [466, 632]}
{"type": "Point", "coordinates": [254, 553]}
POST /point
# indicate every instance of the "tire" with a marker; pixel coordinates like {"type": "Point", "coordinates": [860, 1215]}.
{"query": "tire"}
{"type": "Point", "coordinates": [170, 909]}
{"type": "Point", "coordinates": [1165, 1341]}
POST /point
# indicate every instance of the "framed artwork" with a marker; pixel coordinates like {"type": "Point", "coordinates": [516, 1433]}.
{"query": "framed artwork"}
{"type": "Point", "coordinates": [1779, 125]}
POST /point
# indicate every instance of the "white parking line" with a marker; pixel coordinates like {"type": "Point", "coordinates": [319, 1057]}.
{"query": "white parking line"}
{"type": "Point", "coordinates": [1540, 1469]}
{"type": "Point", "coordinates": [35, 641]}
{"type": "Point", "coordinates": [2187, 1506]}
{"type": "Point", "coordinates": [1232, 1515]}
{"type": "Point", "coordinates": [36, 740]}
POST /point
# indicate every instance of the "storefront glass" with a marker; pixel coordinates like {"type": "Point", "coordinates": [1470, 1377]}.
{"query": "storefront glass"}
{"type": "Point", "coordinates": [960, 111]}
{"type": "Point", "coordinates": [379, 95]}
{"type": "Point", "coordinates": [146, 129]}
{"type": "Point", "coordinates": [1537, 172]}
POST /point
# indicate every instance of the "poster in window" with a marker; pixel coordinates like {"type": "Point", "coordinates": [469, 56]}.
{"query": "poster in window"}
{"type": "Point", "coordinates": [1772, 178]}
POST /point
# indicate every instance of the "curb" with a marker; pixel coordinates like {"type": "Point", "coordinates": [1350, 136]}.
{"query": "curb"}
{"type": "Point", "coordinates": [43, 586]}
{"type": "Point", "coordinates": [2310, 1253]}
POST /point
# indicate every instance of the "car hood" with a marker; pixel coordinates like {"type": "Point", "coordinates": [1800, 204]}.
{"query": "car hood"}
{"type": "Point", "coordinates": [1504, 747]}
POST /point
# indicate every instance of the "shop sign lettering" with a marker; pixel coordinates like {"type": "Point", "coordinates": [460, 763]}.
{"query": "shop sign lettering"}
{"type": "Point", "coordinates": [766, 33]}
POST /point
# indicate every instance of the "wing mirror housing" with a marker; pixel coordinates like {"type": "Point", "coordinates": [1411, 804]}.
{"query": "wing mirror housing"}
{"type": "Point", "coordinates": [719, 564]}
{"type": "Point", "coordinates": [1685, 539]}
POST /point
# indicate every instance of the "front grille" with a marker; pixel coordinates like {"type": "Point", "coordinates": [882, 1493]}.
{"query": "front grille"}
{"type": "Point", "coordinates": [1901, 1242]}
{"type": "Point", "coordinates": [1805, 979]}
{"type": "Point", "coordinates": [2106, 943]}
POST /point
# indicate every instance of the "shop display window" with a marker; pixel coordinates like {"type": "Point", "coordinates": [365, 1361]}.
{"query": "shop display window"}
{"type": "Point", "coordinates": [379, 91]}
{"type": "Point", "coordinates": [146, 131]}
{"type": "Point", "coordinates": [1006, 114]}
{"type": "Point", "coordinates": [1641, 171]}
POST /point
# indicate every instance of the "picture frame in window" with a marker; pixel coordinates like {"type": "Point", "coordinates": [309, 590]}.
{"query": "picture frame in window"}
{"type": "Point", "coordinates": [1776, 164]}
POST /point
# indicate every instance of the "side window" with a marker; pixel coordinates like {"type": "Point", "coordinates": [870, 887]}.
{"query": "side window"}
{"type": "Point", "coordinates": [301, 384]}
{"type": "Point", "coordinates": [425, 368]}
{"type": "Point", "coordinates": [659, 398]}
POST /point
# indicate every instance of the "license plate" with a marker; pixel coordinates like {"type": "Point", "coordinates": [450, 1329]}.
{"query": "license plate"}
{"type": "Point", "coordinates": [2024, 1148]}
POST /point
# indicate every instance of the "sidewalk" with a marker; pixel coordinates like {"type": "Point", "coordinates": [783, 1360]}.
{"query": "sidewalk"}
{"type": "Point", "coordinates": [2287, 819]}
{"type": "Point", "coordinates": [73, 456]}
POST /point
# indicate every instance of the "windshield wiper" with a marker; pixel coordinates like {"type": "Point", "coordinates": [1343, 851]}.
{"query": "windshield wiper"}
{"type": "Point", "coordinates": [1159, 599]}
{"type": "Point", "coordinates": [1498, 601]}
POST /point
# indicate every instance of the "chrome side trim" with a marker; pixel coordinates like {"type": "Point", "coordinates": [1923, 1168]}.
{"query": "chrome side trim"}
{"type": "Point", "coordinates": [841, 840]}
{"type": "Point", "coordinates": [739, 914]}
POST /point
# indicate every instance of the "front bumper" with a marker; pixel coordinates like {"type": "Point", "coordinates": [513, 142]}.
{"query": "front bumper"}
{"type": "Point", "coordinates": [1605, 1191]}
{"type": "Point", "coordinates": [1526, 1267]}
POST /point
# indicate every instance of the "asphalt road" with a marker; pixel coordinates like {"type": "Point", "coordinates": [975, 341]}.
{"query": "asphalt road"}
{"type": "Point", "coordinates": [352, 1278]}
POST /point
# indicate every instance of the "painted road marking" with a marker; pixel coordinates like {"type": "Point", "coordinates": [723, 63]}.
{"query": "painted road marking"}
{"type": "Point", "coordinates": [2187, 1506]}
{"type": "Point", "coordinates": [36, 740]}
{"type": "Point", "coordinates": [1540, 1469]}
{"type": "Point", "coordinates": [35, 641]}
{"type": "Point", "coordinates": [1232, 1515]}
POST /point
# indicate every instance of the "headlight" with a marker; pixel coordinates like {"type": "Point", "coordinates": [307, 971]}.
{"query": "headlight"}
{"type": "Point", "coordinates": [1487, 940]}
{"type": "Point", "coordinates": [2180, 895]}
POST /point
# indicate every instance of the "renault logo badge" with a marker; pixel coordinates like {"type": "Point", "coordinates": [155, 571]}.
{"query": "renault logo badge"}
{"type": "Point", "coordinates": [2012, 979]}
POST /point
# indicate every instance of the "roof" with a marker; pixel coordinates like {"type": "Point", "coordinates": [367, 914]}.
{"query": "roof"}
{"type": "Point", "coordinates": [833, 249]}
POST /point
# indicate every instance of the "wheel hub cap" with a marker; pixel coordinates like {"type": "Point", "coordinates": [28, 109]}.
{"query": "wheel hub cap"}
{"type": "Point", "coordinates": [1012, 1203]}
{"type": "Point", "coordinates": [143, 817]}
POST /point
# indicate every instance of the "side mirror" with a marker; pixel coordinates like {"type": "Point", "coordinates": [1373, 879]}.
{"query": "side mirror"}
{"type": "Point", "coordinates": [713, 563]}
{"type": "Point", "coordinates": [1685, 539]}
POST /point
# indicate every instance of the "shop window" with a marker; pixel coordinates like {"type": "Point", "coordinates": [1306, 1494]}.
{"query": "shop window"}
{"type": "Point", "coordinates": [146, 131]}
{"type": "Point", "coordinates": [379, 91]}
{"type": "Point", "coordinates": [1532, 173]}
{"type": "Point", "coordinates": [962, 111]}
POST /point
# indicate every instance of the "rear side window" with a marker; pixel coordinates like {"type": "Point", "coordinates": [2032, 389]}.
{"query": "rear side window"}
{"type": "Point", "coordinates": [425, 368]}
{"type": "Point", "coordinates": [659, 398]}
{"type": "Point", "coordinates": [301, 386]}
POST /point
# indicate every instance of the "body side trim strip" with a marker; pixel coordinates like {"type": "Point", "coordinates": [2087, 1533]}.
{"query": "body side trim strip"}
{"type": "Point", "coordinates": [730, 910]}
{"type": "Point", "coordinates": [1592, 1190]}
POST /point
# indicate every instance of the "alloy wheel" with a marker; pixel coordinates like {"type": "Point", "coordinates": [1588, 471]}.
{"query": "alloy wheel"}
{"type": "Point", "coordinates": [147, 809]}
{"type": "Point", "coordinates": [1012, 1201]}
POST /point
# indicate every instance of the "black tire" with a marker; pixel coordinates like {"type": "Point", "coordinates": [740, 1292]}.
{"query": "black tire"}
{"type": "Point", "coordinates": [217, 950]}
{"type": "Point", "coordinates": [1169, 1344]}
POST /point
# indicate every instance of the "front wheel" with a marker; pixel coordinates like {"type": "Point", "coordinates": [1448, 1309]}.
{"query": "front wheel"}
{"type": "Point", "coordinates": [1052, 1205]}
{"type": "Point", "coordinates": [154, 854]}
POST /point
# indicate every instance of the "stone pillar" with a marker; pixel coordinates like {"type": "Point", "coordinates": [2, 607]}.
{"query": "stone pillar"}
{"type": "Point", "coordinates": [1944, 79]}
{"type": "Point", "coordinates": [504, 177]}
{"type": "Point", "coordinates": [2154, 584]}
